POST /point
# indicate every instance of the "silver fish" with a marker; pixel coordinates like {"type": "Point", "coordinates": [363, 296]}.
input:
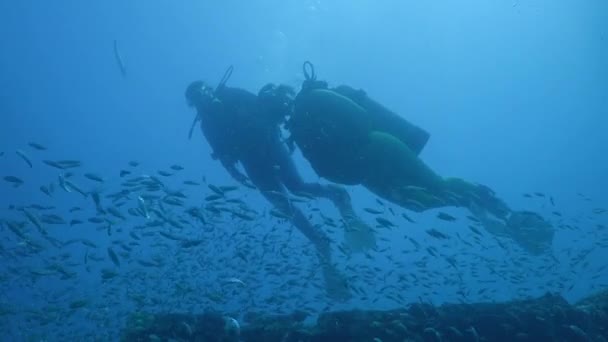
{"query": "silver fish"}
{"type": "Point", "coordinates": [24, 157]}
{"type": "Point", "coordinates": [37, 146]}
{"type": "Point", "coordinates": [119, 60]}
{"type": "Point", "coordinates": [16, 181]}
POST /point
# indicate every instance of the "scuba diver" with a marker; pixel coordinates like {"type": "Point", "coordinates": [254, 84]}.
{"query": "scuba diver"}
{"type": "Point", "coordinates": [350, 139]}
{"type": "Point", "coordinates": [244, 128]}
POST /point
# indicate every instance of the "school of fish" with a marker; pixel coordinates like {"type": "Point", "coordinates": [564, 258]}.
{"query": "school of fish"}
{"type": "Point", "coordinates": [152, 240]}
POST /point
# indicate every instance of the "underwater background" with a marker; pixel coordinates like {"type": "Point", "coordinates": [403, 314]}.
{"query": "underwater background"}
{"type": "Point", "coordinates": [514, 94]}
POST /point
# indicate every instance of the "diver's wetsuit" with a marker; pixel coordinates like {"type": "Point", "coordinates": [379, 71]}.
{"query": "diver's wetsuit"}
{"type": "Point", "coordinates": [350, 139]}
{"type": "Point", "coordinates": [238, 130]}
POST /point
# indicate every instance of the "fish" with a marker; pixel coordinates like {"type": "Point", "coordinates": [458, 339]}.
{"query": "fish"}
{"type": "Point", "coordinates": [77, 304]}
{"type": "Point", "coordinates": [227, 188]}
{"type": "Point", "coordinates": [75, 222]}
{"type": "Point", "coordinates": [171, 236]}
{"type": "Point", "coordinates": [446, 217]}
{"type": "Point", "coordinates": [113, 257]}
{"type": "Point", "coordinates": [45, 191]}
{"type": "Point", "coordinates": [63, 164]}
{"type": "Point", "coordinates": [95, 220]}
{"type": "Point", "coordinates": [178, 194]}
{"type": "Point", "coordinates": [62, 184]}
{"type": "Point", "coordinates": [213, 197]}
{"type": "Point", "coordinates": [114, 212]}
{"type": "Point", "coordinates": [373, 211]}
{"type": "Point", "coordinates": [164, 173]}
{"type": "Point", "coordinates": [35, 221]}
{"type": "Point", "coordinates": [475, 230]}
{"type": "Point", "coordinates": [124, 173]}
{"type": "Point", "coordinates": [107, 274]}
{"type": "Point", "coordinates": [17, 182]}
{"type": "Point", "coordinates": [24, 157]}
{"type": "Point", "coordinates": [73, 186]}
{"type": "Point", "coordinates": [88, 243]}
{"type": "Point", "coordinates": [280, 214]}
{"type": "Point", "coordinates": [215, 189]}
{"type": "Point", "coordinates": [119, 61]}
{"type": "Point", "coordinates": [97, 201]}
{"type": "Point", "coordinates": [405, 216]}
{"type": "Point", "coordinates": [173, 201]}
{"type": "Point", "coordinates": [384, 222]}
{"type": "Point", "coordinates": [436, 234]}
{"type": "Point", "coordinates": [133, 163]}
{"type": "Point", "coordinates": [188, 182]}
{"type": "Point", "coordinates": [41, 207]}
{"type": "Point", "coordinates": [473, 218]}
{"type": "Point", "coordinates": [142, 206]}
{"type": "Point", "coordinates": [243, 216]}
{"type": "Point", "coordinates": [190, 243]}
{"type": "Point", "coordinates": [146, 263]}
{"type": "Point", "coordinates": [52, 219]}
{"type": "Point", "coordinates": [37, 146]}
{"type": "Point", "coordinates": [93, 177]}
{"type": "Point", "coordinates": [17, 228]}
{"type": "Point", "coordinates": [233, 281]}
{"type": "Point", "coordinates": [176, 167]}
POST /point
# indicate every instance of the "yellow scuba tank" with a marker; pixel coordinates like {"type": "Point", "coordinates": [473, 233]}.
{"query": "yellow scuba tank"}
{"type": "Point", "coordinates": [384, 120]}
{"type": "Point", "coordinates": [332, 128]}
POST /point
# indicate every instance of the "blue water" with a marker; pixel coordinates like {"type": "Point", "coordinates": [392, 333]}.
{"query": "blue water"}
{"type": "Point", "coordinates": [514, 94]}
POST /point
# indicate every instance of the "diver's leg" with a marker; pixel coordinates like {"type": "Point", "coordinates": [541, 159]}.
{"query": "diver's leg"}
{"type": "Point", "coordinates": [467, 194]}
{"type": "Point", "coordinates": [394, 172]}
{"type": "Point", "coordinates": [272, 189]}
{"type": "Point", "coordinates": [294, 183]}
{"type": "Point", "coordinates": [358, 235]}
{"type": "Point", "coordinates": [335, 283]}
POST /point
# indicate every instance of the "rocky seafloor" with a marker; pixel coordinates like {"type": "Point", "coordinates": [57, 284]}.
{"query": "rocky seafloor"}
{"type": "Point", "coordinates": [547, 318]}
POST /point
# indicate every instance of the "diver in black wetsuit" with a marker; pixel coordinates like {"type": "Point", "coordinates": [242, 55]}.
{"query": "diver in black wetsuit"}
{"type": "Point", "coordinates": [244, 128]}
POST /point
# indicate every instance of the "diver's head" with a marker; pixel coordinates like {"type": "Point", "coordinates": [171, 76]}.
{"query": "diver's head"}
{"type": "Point", "coordinates": [277, 100]}
{"type": "Point", "coordinates": [199, 95]}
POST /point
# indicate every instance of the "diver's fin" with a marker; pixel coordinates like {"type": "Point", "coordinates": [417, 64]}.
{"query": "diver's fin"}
{"type": "Point", "coordinates": [490, 224]}
{"type": "Point", "coordinates": [531, 232]}
{"type": "Point", "coordinates": [359, 237]}
{"type": "Point", "coordinates": [336, 285]}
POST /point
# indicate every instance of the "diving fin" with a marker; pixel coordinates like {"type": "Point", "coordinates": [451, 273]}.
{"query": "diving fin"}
{"type": "Point", "coordinates": [336, 285]}
{"type": "Point", "coordinates": [359, 237]}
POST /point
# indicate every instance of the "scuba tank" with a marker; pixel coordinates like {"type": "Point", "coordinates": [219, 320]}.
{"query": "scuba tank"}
{"type": "Point", "coordinates": [332, 128]}
{"type": "Point", "coordinates": [386, 121]}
